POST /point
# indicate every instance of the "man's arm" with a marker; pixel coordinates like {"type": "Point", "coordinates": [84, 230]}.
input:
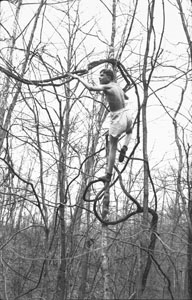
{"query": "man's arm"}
{"type": "Point", "coordinates": [90, 87]}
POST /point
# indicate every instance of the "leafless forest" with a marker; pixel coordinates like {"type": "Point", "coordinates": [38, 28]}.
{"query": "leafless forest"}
{"type": "Point", "coordinates": [64, 235]}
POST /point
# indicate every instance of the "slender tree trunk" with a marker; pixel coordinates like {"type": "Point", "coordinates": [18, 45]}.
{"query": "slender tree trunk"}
{"type": "Point", "coordinates": [61, 290]}
{"type": "Point", "coordinates": [141, 281]}
{"type": "Point", "coordinates": [88, 173]}
{"type": "Point", "coordinates": [106, 198]}
{"type": "Point", "coordinates": [61, 279]}
{"type": "Point", "coordinates": [186, 29]}
{"type": "Point", "coordinates": [189, 247]}
{"type": "Point", "coordinates": [104, 244]}
{"type": "Point", "coordinates": [84, 263]}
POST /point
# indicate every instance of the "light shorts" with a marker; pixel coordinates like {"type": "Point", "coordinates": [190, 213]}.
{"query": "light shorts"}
{"type": "Point", "coordinates": [120, 122]}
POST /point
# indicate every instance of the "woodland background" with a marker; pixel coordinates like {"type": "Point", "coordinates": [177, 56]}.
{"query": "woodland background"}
{"type": "Point", "coordinates": [59, 239]}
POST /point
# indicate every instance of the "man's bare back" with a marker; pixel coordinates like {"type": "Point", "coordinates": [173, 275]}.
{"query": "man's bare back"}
{"type": "Point", "coordinates": [115, 97]}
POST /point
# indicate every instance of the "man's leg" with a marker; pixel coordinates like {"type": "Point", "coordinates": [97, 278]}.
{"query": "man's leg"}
{"type": "Point", "coordinates": [112, 154]}
{"type": "Point", "coordinates": [125, 146]}
{"type": "Point", "coordinates": [111, 158]}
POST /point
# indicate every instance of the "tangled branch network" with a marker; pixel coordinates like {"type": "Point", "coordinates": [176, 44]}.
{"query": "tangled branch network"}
{"type": "Point", "coordinates": [56, 81]}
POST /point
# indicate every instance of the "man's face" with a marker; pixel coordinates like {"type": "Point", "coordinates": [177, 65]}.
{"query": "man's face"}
{"type": "Point", "coordinates": [104, 78]}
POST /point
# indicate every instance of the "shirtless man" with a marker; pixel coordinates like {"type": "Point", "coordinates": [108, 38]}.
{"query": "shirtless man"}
{"type": "Point", "coordinates": [120, 120]}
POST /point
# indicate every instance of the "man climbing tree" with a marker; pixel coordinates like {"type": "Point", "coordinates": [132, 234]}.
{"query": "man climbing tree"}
{"type": "Point", "coordinates": [120, 119]}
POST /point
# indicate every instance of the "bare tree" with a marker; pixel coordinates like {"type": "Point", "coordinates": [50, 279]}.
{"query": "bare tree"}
{"type": "Point", "coordinates": [187, 148]}
{"type": "Point", "coordinates": [61, 236]}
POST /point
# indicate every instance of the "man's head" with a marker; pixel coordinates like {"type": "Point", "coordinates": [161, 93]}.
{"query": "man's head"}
{"type": "Point", "coordinates": [106, 76]}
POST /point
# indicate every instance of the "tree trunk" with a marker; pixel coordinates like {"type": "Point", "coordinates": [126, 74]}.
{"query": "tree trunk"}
{"type": "Point", "coordinates": [144, 238]}
{"type": "Point", "coordinates": [186, 29]}
{"type": "Point", "coordinates": [104, 245]}
{"type": "Point", "coordinates": [189, 247]}
{"type": "Point", "coordinates": [106, 198]}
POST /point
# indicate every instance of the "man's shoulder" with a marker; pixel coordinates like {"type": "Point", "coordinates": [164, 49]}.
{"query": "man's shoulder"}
{"type": "Point", "coordinates": [108, 86]}
{"type": "Point", "coordinates": [111, 85]}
